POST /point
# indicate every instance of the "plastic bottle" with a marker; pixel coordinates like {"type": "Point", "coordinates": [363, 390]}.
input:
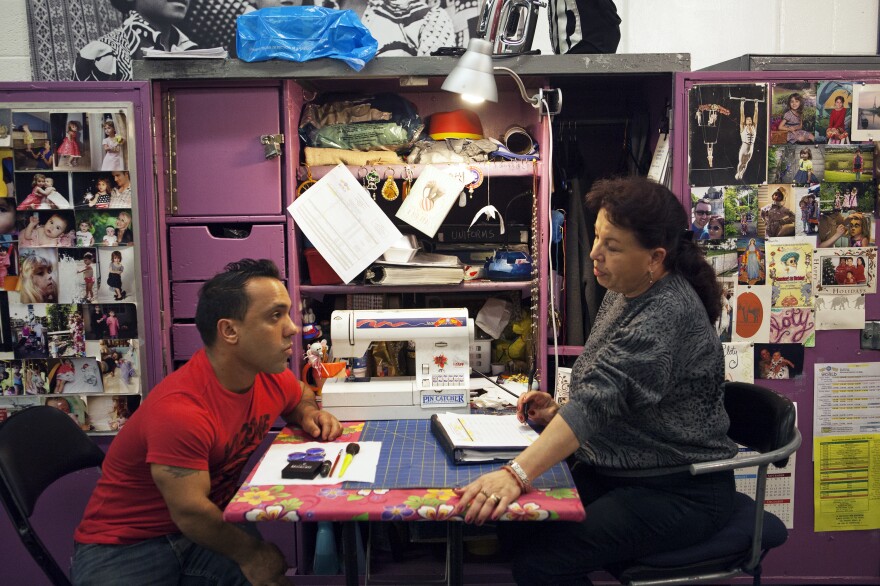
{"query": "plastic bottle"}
{"type": "Point", "coordinates": [326, 559]}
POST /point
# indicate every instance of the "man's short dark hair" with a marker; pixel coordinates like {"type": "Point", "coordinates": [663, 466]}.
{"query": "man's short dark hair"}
{"type": "Point", "coordinates": [224, 295]}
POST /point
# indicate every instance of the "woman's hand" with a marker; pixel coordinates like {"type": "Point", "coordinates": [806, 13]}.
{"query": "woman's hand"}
{"type": "Point", "coordinates": [536, 406]}
{"type": "Point", "coordinates": [487, 497]}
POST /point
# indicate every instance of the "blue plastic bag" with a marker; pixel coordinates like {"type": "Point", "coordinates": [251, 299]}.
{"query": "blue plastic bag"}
{"type": "Point", "coordinates": [301, 33]}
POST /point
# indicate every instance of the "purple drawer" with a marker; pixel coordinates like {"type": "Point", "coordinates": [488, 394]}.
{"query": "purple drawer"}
{"type": "Point", "coordinates": [197, 255]}
{"type": "Point", "coordinates": [184, 297]}
{"type": "Point", "coordinates": [185, 341]}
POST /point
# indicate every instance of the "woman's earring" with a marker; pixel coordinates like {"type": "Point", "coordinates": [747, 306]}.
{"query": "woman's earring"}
{"type": "Point", "coordinates": [650, 276]}
{"type": "Point", "coordinates": [389, 188]}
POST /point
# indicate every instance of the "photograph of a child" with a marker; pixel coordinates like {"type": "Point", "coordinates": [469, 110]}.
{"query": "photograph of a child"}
{"type": "Point", "coordinates": [849, 163]}
{"type": "Point", "coordinates": [11, 382]}
{"type": "Point", "coordinates": [49, 228]}
{"type": "Point", "coordinates": [114, 227]}
{"type": "Point", "coordinates": [119, 278]}
{"type": "Point", "coordinates": [79, 276]}
{"type": "Point", "coordinates": [727, 134]}
{"type": "Point", "coordinates": [793, 114]}
{"type": "Point", "coordinates": [75, 376]}
{"type": "Point", "coordinates": [108, 413]}
{"type": "Point", "coordinates": [31, 141]}
{"type": "Point", "coordinates": [75, 407]}
{"type": "Point", "coordinates": [118, 367]}
{"type": "Point", "coordinates": [834, 111]}
{"type": "Point", "coordinates": [779, 361]}
{"type": "Point", "coordinates": [36, 377]}
{"type": "Point", "coordinates": [845, 271]}
{"type": "Point", "coordinates": [71, 134]}
{"type": "Point", "coordinates": [111, 320]}
{"type": "Point", "coordinates": [29, 326]}
{"type": "Point", "coordinates": [42, 191]}
{"type": "Point", "coordinates": [109, 147]}
{"type": "Point", "coordinates": [845, 229]}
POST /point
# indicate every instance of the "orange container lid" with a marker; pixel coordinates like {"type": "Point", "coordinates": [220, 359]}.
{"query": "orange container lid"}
{"type": "Point", "coordinates": [456, 124]}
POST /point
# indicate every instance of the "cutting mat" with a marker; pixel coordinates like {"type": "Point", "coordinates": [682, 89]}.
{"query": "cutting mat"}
{"type": "Point", "coordinates": [412, 458]}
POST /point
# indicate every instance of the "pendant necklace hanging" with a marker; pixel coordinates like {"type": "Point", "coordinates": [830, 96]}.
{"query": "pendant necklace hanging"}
{"type": "Point", "coordinates": [389, 188]}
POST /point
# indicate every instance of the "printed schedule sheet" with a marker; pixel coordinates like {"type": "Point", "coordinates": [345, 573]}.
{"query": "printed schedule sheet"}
{"type": "Point", "coordinates": [846, 446]}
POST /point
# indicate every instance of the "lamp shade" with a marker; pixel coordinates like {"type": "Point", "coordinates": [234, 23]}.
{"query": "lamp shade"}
{"type": "Point", "coordinates": [473, 76]}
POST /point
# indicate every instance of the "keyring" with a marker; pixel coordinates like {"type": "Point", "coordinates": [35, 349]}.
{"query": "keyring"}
{"type": "Point", "coordinates": [389, 188]}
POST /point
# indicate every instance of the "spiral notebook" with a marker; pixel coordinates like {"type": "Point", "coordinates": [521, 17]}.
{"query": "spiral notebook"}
{"type": "Point", "coordinates": [481, 438]}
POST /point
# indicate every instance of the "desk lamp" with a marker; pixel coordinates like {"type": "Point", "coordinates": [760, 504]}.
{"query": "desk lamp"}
{"type": "Point", "coordinates": [474, 78]}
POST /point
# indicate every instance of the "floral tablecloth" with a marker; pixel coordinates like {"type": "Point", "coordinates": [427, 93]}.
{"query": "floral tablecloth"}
{"type": "Point", "coordinates": [333, 503]}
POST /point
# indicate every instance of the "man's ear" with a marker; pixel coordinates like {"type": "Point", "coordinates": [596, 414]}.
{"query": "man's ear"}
{"type": "Point", "coordinates": [227, 331]}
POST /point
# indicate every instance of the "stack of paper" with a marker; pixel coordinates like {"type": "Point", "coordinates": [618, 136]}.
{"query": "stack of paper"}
{"type": "Point", "coordinates": [481, 438]}
{"type": "Point", "coordinates": [212, 53]}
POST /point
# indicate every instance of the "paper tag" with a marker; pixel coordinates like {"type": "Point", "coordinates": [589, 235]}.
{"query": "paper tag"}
{"type": "Point", "coordinates": [563, 382]}
{"type": "Point", "coordinates": [444, 399]}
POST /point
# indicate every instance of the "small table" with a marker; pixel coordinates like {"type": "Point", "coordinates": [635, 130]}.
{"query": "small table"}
{"type": "Point", "coordinates": [334, 503]}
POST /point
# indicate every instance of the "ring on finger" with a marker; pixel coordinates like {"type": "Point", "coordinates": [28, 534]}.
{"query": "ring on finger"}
{"type": "Point", "coordinates": [495, 498]}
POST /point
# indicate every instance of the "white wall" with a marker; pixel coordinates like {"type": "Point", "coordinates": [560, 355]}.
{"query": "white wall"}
{"type": "Point", "coordinates": [710, 30]}
{"type": "Point", "coordinates": [15, 57]}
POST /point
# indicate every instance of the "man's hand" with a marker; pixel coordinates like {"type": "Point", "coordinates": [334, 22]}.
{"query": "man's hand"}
{"type": "Point", "coordinates": [321, 424]}
{"type": "Point", "coordinates": [265, 566]}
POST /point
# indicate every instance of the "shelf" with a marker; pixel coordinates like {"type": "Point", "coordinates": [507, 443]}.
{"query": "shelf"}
{"type": "Point", "coordinates": [466, 287]}
{"type": "Point", "coordinates": [568, 350]}
{"type": "Point", "coordinates": [333, 72]}
{"type": "Point", "coordinates": [490, 169]}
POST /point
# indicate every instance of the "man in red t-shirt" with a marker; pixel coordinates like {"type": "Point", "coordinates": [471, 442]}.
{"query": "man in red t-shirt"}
{"type": "Point", "coordinates": [155, 516]}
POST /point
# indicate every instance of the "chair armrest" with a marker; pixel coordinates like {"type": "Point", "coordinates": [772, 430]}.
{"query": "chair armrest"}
{"type": "Point", "coordinates": [746, 461]}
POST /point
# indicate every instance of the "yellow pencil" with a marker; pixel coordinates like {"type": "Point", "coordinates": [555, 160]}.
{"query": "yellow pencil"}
{"type": "Point", "coordinates": [464, 427]}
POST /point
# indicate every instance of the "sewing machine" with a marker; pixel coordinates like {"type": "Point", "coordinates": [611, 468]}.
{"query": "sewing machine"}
{"type": "Point", "coordinates": [442, 339]}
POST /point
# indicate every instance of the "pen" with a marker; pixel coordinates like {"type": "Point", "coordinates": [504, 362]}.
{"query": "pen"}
{"type": "Point", "coordinates": [335, 462]}
{"type": "Point", "coordinates": [464, 427]}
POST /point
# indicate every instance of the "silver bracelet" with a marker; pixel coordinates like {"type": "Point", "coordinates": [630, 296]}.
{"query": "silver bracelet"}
{"type": "Point", "coordinates": [521, 474]}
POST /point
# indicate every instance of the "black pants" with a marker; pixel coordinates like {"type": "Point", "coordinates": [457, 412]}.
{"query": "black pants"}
{"type": "Point", "coordinates": [627, 518]}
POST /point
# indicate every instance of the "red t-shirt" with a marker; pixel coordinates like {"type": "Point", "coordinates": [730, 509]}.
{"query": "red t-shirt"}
{"type": "Point", "coordinates": [188, 420]}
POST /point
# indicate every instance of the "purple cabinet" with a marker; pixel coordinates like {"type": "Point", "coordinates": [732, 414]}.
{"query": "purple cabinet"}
{"type": "Point", "coordinates": [218, 160]}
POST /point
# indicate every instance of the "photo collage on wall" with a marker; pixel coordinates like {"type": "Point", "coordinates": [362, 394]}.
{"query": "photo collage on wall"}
{"type": "Point", "coordinates": [69, 335]}
{"type": "Point", "coordinates": [783, 200]}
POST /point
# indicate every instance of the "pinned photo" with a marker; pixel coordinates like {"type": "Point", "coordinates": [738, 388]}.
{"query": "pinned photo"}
{"type": "Point", "coordinates": [31, 141]}
{"type": "Point", "coordinates": [793, 114]}
{"type": "Point", "coordinates": [779, 361]}
{"type": "Point", "coordinates": [866, 112]}
{"type": "Point", "coordinates": [727, 136]}
{"type": "Point", "coordinates": [71, 132]}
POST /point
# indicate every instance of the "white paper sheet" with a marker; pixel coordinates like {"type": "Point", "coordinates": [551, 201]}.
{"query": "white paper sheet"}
{"type": "Point", "coordinates": [344, 224]}
{"type": "Point", "coordinates": [362, 468]}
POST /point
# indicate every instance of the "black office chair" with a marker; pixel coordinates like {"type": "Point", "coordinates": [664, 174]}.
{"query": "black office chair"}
{"type": "Point", "coordinates": [764, 421]}
{"type": "Point", "coordinates": [38, 446]}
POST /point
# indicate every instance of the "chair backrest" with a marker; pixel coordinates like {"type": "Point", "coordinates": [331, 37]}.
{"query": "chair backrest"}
{"type": "Point", "coordinates": [38, 446]}
{"type": "Point", "coordinates": [759, 418]}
